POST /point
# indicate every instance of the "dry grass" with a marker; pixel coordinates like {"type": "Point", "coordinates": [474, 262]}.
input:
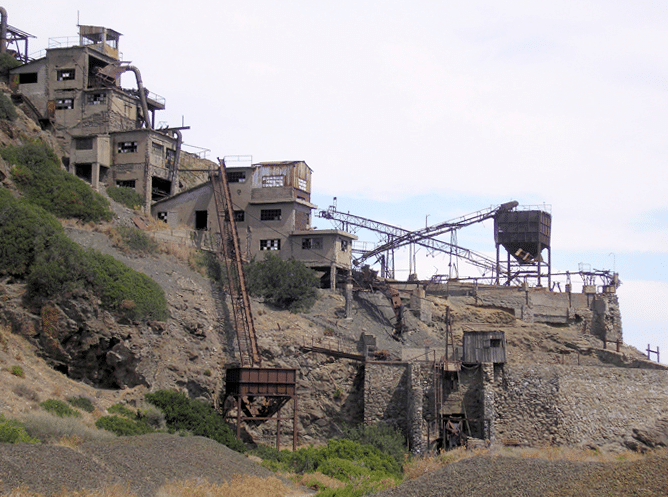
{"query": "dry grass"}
{"type": "Point", "coordinates": [180, 252]}
{"type": "Point", "coordinates": [316, 481]}
{"type": "Point", "coordinates": [423, 465]}
{"type": "Point", "coordinates": [246, 486]}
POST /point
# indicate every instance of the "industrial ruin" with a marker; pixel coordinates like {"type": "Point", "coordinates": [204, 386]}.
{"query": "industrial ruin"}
{"type": "Point", "coordinates": [438, 394]}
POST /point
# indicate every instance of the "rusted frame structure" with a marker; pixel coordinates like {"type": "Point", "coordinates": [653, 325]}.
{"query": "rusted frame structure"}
{"type": "Point", "coordinates": [244, 384]}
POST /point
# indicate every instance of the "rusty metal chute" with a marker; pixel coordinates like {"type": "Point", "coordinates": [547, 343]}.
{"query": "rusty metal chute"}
{"type": "Point", "coordinates": [230, 253]}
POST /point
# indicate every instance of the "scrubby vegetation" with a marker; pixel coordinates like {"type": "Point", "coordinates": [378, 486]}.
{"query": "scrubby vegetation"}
{"type": "Point", "coordinates": [136, 241]}
{"type": "Point", "coordinates": [285, 284]}
{"type": "Point", "coordinates": [38, 175]}
{"type": "Point", "coordinates": [7, 110]}
{"type": "Point", "coordinates": [36, 248]}
{"type": "Point", "coordinates": [126, 196]}
{"type": "Point", "coordinates": [59, 408]}
{"type": "Point", "coordinates": [185, 415]}
{"type": "Point", "coordinates": [83, 403]}
{"type": "Point", "coordinates": [208, 264]}
{"type": "Point", "coordinates": [12, 431]}
{"type": "Point", "coordinates": [7, 62]}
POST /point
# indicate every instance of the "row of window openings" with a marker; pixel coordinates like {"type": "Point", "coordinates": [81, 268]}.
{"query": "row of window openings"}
{"type": "Point", "coordinates": [91, 99]}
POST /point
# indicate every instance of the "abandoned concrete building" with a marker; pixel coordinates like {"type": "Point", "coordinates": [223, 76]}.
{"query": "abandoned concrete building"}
{"type": "Point", "coordinates": [75, 90]}
{"type": "Point", "coordinates": [273, 212]}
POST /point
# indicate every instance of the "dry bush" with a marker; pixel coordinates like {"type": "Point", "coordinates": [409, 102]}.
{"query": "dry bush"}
{"type": "Point", "coordinates": [317, 480]}
{"type": "Point", "coordinates": [575, 454]}
{"type": "Point", "coordinates": [25, 392]}
{"type": "Point", "coordinates": [55, 430]}
{"type": "Point", "coordinates": [180, 252]}
{"type": "Point", "coordinates": [239, 486]}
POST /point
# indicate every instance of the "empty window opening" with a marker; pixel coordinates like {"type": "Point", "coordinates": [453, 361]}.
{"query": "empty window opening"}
{"type": "Point", "coordinates": [273, 181]}
{"type": "Point", "coordinates": [27, 78]}
{"type": "Point", "coordinates": [96, 98]}
{"type": "Point", "coordinates": [274, 244]}
{"type": "Point", "coordinates": [236, 176]}
{"type": "Point", "coordinates": [312, 243]}
{"type": "Point", "coordinates": [127, 147]}
{"type": "Point", "coordinates": [270, 215]}
{"type": "Point", "coordinates": [170, 156]}
{"type": "Point", "coordinates": [301, 183]}
{"type": "Point", "coordinates": [344, 245]}
{"type": "Point", "coordinates": [84, 171]}
{"type": "Point", "coordinates": [201, 220]}
{"type": "Point", "coordinates": [64, 103]}
{"type": "Point", "coordinates": [157, 149]}
{"type": "Point", "coordinates": [495, 342]}
{"type": "Point", "coordinates": [160, 188]}
{"type": "Point", "coordinates": [239, 216]}
{"type": "Point", "coordinates": [104, 173]}
{"type": "Point", "coordinates": [84, 143]}
{"type": "Point", "coordinates": [128, 183]}
{"type": "Point", "coordinates": [65, 74]}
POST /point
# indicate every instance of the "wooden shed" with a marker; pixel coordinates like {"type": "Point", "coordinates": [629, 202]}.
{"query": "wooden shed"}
{"type": "Point", "coordinates": [484, 346]}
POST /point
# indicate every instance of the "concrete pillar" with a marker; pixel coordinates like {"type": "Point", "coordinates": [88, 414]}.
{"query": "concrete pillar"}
{"type": "Point", "coordinates": [332, 277]}
{"type": "Point", "coordinates": [349, 297]}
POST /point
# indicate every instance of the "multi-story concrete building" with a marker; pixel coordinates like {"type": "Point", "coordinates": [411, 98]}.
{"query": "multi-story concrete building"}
{"type": "Point", "coordinates": [272, 209]}
{"type": "Point", "coordinates": [107, 132]}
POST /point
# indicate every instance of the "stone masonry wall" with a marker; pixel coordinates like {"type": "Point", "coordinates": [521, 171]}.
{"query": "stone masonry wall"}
{"type": "Point", "coordinates": [386, 394]}
{"type": "Point", "coordinates": [578, 405]}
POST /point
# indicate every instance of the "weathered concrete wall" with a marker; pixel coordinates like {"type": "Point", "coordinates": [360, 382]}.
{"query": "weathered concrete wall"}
{"type": "Point", "coordinates": [578, 405]}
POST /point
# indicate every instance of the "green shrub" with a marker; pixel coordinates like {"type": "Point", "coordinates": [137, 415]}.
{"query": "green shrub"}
{"type": "Point", "coordinates": [7, 62]}
{"type": "Point", "coordinates": [285, 284]}
{"type": "Point", "coordinates": [381, 436]}
{"type": "Point", "coordinates": [135, 240]}
{"type": "Point", "coordinates": [17, 371]}
{"type": "Point", "coordinates": [81, 402]}
{"type": "Point", "coordinates": [121, 410]}
{"type": "Point", "coordinates": [7, 110]}
{"type": "Point", "coordinates": [39, 177]}
{"type": "Point", "coordinates": [12, 431]}
{"type": "Point", "coordinates": [182, 413]}
{"type": "Point", "coordinates": [126, 196]}
{"type": "Point", "coordinates": [59, 408]}
{"type": "Point", "coordinates": [123, 427]}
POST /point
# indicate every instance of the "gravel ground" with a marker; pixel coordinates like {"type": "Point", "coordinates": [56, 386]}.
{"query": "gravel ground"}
{"type": "Point", "coordinates": [522, 477]}
{"type": "Point", "coordinates": [143, 463]}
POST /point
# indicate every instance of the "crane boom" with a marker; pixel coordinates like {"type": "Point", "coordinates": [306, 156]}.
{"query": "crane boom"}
{"type": "Point", "coordinates": [229, 252]}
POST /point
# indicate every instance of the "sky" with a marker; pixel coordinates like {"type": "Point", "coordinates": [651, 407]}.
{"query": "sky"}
{"type": "Point", "coordinates": [415, 113]}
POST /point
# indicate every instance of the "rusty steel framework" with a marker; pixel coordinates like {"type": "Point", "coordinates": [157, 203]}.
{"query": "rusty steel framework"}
{"type": "Point", "coordinates": [258, 393]}
{"type": "Point", "coordinates": [397, 237]}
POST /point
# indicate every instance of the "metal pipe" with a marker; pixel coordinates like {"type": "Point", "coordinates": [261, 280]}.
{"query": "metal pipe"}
{"type": "Point", "coordinates": [3, 30]}
{"type": "Point", "coordinates": [142, 95]}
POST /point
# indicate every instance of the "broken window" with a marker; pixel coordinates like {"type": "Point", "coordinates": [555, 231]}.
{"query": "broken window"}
{"type": "Point", "coordinates": [239, 216]}
{"type": "Point", "coordinates": [236, 176]}
{"type": "Point", "coordinates": [301, 183]}
{"type": "Point", "coordinates": [274, 244]}
{"type": "Point", "coordinates": [201, 220]}
{"type": "Point", "coordinates": [84, 143]}
{"type": "Point", "coordinates": [495, 342]}
{"type": "Point", "coordinates": [157, 149]}
{"type": "Point", "coordinates": [127, 147]}
{"type": "Point", "coordinates": [27, 78]}
{"type": "Point", "coordinates": [270, 215]}
{"type": "Point", "coordinates": [273, 181]}
{"type": "Point", "coordinates": [64, 103]}
{"type": "Point", "coordinates": [170, 156]}
{"type": "Point", "coordinates": [128, 183]}
{"type": "Point", "coordinates": [65, 74]}
{"type": "Point", "coordinates": [344, 245]}
{"type": "Point", "coordinates": [312, 243]}
{"type": "Point", "coordinates": [96, 98]}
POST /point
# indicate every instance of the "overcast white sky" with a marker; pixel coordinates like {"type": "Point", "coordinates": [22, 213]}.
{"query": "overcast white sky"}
{"type": "Point", "coordinates": [426, 110]}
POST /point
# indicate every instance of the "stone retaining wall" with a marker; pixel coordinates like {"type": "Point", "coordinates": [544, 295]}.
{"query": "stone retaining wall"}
{"type": "Point", "coordinates": [578, 405]}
